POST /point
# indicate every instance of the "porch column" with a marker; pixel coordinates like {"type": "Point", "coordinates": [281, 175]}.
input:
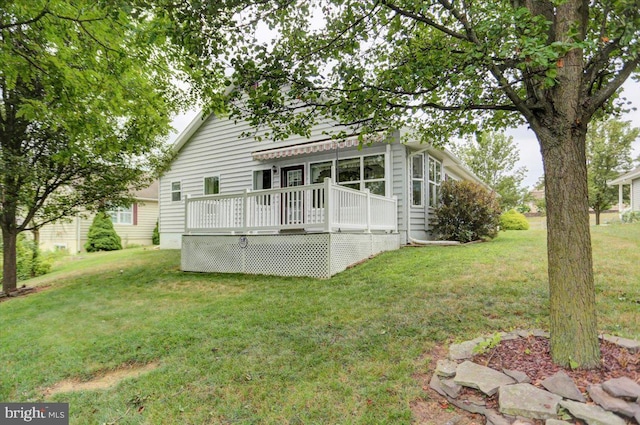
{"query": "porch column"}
{"type": "Point", "coordinates": [620, 200]}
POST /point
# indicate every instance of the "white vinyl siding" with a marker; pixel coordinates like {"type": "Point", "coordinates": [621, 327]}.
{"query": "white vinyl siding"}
{"type": "Point", "coordinates": [635, 195]}
{"type": "Point", "coordinates": [216, 149]}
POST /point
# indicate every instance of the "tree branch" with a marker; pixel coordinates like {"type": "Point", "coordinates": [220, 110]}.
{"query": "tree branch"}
{"type": "Point", "coordinates": [598, 99]}
{"type": "Point", "coordinates": [39, 16]}
{"type": "Point", "coordinates": [424, 20]}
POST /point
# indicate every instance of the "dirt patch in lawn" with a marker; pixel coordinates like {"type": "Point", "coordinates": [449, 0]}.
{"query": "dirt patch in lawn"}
{"type": "Point", "coordinates": [102, 382]}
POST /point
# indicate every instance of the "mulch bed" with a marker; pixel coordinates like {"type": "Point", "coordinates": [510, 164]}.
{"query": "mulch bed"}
{"type": "Point", "coordinates": [20, 292]}
{"type": "Point", "coordinates": [531, 355]}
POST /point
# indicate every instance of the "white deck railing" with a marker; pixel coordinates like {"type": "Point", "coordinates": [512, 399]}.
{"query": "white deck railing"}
{"type": "Point", "coordinates": [317, 207]}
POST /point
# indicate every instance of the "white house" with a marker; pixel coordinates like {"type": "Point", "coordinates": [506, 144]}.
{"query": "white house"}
{"type": "Point", "coordinates": [631, 178]}
{"type": "Point", "coordinates": [303, 206]}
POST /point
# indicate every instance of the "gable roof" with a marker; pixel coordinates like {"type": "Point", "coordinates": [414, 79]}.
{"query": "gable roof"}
{"type": "Point", "coordinates": [149, 193]}
{"type": "Point", "coordinates": [189, 130]}
{"type": "Point", "coordinates": [626, 178]}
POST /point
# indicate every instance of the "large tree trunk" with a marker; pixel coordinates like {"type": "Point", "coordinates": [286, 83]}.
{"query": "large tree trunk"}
{"type": "Point", "coordinates": [9, 265]}
{"type": "Point", "coordinates": [573, 328]}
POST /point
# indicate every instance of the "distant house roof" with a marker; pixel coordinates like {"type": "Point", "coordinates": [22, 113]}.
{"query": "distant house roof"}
{"type": "Point", "coordinates": [149, 193]}
{"type": "Point", "coordinates": [626, 178]}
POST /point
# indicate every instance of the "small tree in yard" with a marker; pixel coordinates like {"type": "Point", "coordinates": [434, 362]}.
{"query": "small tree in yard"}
{"type": "Point", "coordinates": [609, 146]}
{"type": "Point", "coordinates": [102, 236]}
{"type": "Point", "coordinates": [467, 212]}
{"type": "Point", "coordinates": [492, 156]}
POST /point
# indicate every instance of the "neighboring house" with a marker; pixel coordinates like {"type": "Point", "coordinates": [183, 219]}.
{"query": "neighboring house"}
{"type": "Point", "coordinates": [134, 224]}
{"type": "Point", "coordinates": [299, 206]}
{"type": "Point", "coordinates": [631, 178]}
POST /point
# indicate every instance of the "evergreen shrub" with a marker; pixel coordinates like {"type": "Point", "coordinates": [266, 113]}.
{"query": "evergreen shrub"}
{"type": "Point", "coordinates": [513, 220]}
{"type": "Point", "coordinates": [155, 239]}
{"type": "Point", "coordinates": [467, 212]}
{"type": "Point", "coordinates": [102, 236]}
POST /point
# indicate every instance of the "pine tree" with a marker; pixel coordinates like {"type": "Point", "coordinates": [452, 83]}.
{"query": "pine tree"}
{"type": "Point", "coordinates": [102, 236]}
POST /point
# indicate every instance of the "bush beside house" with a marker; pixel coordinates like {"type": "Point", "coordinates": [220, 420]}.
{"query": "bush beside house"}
{"type": "Point", "coordinates": [102, 236]}
{"type": "Point", "coordinates": [467, 212]}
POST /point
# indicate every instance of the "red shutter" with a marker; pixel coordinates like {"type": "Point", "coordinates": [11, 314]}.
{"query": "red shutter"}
{"type": "Point", "coordinates": [135, 214]}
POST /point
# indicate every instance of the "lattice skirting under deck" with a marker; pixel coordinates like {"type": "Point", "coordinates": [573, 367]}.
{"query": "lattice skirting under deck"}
{"type": "Point", "coordinates": [318, 255]}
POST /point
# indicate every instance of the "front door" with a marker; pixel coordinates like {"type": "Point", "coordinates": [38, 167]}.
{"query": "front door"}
{"type": "Point", "coordinates": [293, 201]}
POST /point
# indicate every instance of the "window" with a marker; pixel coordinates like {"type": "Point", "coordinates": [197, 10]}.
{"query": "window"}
{"type": "Point", "coordinates": [435, 178]}
{"type": "Point", "coordinates": [176, 191]}
{"type": "Point", "coordinates": [211, 185]}
{"type": "Point", "coordinates": [121, 215]}
{"type": "Point", "coordinates": [320, 171]}
{"type": "Point", "coordinates": [349, 172]}
{"type": "Point", "coordinates": [373, 170]}
{"type": "Point", "coordinates": [363, 173]}
{"type": "Point", "coordinates": [262, 179]}
{"type": "Point", "coordinates": [417, 180]}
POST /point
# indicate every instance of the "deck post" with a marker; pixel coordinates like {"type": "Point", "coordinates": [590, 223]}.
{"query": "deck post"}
{"type": "Point", "coordinates": [187, 219]}
{"type": "Point", "coordinates": [328, 204]}
{"type": "Point", "coordinates": [395, 213]}
{"type": "Point", "coordinates": [245, 211]}
{"type": "Point", "coordinates": [368, 212]}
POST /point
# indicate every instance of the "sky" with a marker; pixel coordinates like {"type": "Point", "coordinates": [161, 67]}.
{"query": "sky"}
{"type": "Point", "coordinates": [523, 137]}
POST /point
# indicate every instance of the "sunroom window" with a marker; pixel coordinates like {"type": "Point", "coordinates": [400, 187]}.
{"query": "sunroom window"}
{"type": "Point", "coordinates": [417, 180]}
{"type": "Point", "coordinates": [361, 173]}
{"type": "Point", "coordinates": [435, 180]}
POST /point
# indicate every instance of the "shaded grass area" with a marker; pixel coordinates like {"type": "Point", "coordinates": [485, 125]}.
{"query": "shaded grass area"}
{"type": "Point", "coordinates": [258, 349]}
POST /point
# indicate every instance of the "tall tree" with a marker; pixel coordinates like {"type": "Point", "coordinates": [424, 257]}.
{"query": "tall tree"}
{"type": "Point", "coordinates": [609, 146]}
{"type": "Point", "coordinates": [444, 66]}
{"type": "Point", "coordinates": [86, 94]}
{"type": "Point", "coordinates": [492, 156]}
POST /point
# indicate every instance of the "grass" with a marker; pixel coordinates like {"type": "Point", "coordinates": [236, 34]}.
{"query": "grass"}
{"type": "Point", "coordinates": [258, 349]}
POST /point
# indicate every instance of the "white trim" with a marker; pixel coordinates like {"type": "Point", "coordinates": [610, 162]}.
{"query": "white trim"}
{"type": "Point", "coordinates": [626, 178]}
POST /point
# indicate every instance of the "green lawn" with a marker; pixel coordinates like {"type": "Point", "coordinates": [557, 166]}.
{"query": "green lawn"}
{"type": "Point", "coordinates": [257, 349]}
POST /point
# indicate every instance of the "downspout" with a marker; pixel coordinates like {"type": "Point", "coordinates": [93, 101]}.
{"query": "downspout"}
{"type": "Point", "coordinates": [410, 179]}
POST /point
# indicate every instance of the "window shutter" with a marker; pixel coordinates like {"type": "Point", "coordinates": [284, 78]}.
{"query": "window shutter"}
{"type": "Point", "coordinates": [135, 214]}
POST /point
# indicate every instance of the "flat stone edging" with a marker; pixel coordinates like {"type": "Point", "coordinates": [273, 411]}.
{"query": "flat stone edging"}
{"type": "Point", "coordinates": [519, 401]}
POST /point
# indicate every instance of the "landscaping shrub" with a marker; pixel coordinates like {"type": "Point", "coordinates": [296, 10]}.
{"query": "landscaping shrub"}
{"type": "Point", "coordinates": [30, 262]}
{"type": "Point", "coordinates": [102, 236]}
{"type": "Point", "coordinates": [513, 220]}
{"type": "Point", "coordinates": [467, 212]}
{"type": "Point", "coordinates": [631, 217]}
{"type": "Point", "coordinates": [155, 239]}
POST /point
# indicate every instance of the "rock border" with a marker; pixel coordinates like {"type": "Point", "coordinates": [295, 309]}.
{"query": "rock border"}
{"type": "Point", "coordinates": [615, 402]}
